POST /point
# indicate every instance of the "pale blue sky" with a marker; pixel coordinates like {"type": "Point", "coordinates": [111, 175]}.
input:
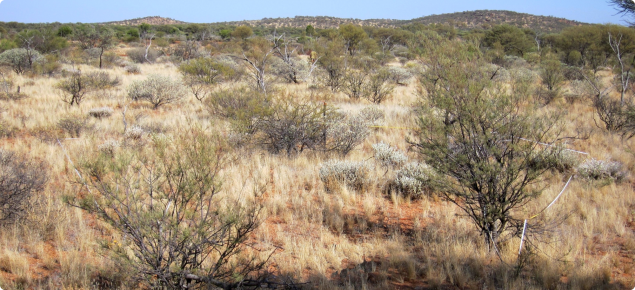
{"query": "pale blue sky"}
{"type": "Point", "coordinates": [593, 11]}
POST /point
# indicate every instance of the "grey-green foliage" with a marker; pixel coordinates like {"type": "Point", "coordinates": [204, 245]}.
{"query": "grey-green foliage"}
{"type": "Point", "coordinates": [387, 156]}
{"type": "Point", "coordinates": [346, 134]}
{"type": "Point", "coordinates": [76, 87]}
{"type": "Point", "coordinates": [602, 169]}
{"type": "Point", "coordinates": [138, 55]}
{"type": "Point", "coordinates": [353, 174]}
{"type": "Point", "coordinates": [21, 178]}
{"type": "Point", "coordinates": [378, 88]}
{"type": "Point", "coordinates": [414, 179]}
{"type": "Point", "coordinates": [164, 199]}
{"type": "Point", "coordinates": [288, 124]}
{"type": "Point", "coordinates": [20, 59]}
{"type": "Point", "coordinates": [291, 70]}
{"type": "Point", "coordinates": [475, 138]}
{"type": "Point", "coordinates": [354, 82]}
{"type": "Point", "coordinates": [158, 90]}
{"type": "Point", "coordinates": [399, 75]}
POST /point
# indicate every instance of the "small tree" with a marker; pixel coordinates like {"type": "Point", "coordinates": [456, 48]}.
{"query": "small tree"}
{"type": "Point", "coordinates": [378, 89]}
{"type": "Point", "coordinates": [353, 36]}
{"type": "Point", "coordinates": [293, 69]}
{"type": "Point", "coordinates": [624, 72]}
{"type": "Point", "coordinates": [19, 59]}
{"type": "Point", "coordinates": [243, 32]}
{"type": "Point", "coordinates": [165, 200]}
{"type": "Point", "coordinates": [256, 60]}
{"type": "Point", "coordinates": [355, 83]}
{"type": "Point", "coordinates": [202, 74]}
{"type": "Point", "coordinates": [473, 134]}
{"type": "Point", "coordinates": [158, 90]}
{"type": "Point", "coordinates": [20, 178]}
{"type": "Point", "coordinates": [74, 88]}
{"type": "Point", "coordinates": [292, 126]}
{"type": "Point", "coordinates": [551, 73]}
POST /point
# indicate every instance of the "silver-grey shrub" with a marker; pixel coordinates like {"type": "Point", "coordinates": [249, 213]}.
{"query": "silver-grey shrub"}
{"type": "Point", "coordinates": [353, 174]}
{"type": "Point", "coordinates": [101, 112]}
{"type": "Point", "coordinates": [602, 169]}
{"type": "Point", "coordinates": [20, 59]}
{"type": "Point", "coordinates": [132, 69]}
{"type": "Point", "coordinates": [413, 179]}
{"type": "Point", "coordinates": [400, 75]}
{"type": "Point", "coordinates": [373, 115]}
{"type": "Point", "coordinates": [388, 156]}
{"type": "Point", "coordinates": [158, 90]}
{"type": "Point", "coordinates": [348, 134]}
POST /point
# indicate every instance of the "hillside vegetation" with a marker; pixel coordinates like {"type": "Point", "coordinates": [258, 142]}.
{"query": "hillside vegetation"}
{"type": "Point", "coordinates": [481, 19]}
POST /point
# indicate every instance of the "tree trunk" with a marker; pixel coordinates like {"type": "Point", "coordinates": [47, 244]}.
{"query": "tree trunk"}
{"type": "Point", "coordinates": [100, 56]}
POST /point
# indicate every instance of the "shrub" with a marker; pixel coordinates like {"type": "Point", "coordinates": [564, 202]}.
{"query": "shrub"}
{"type": "Point", "coordinates": [354, 83]}
{"type": "Point", "coordinates": [602, 169]}
{"type": "Point", "coordinates": [73, 125]}
{"type": "Point", "coordinates": [132, 69]}
{"type": "Point", "coordinates": [557, 158]}
{"type": "Point", "coordinates": [347, 134]}
{"type": "Point", "coordinates": [20, 178]}
{"type": "Point", "coordinates": [134, 133]}
{"type": "Point", "coordinates": [373, 115]}
{"type": "Point", "coordinates": [101, 80]}
{"type": "Point", "coordinates": [352, 174]}
{"type": "Point", "coordinates": [512, 61]}
{"type": "Point", "coordinates": [202, 74]}
{"type": "Point", "coordinates": [413, 179]}
{"type": "Point", "coordinates": [138, 55]}
{"type": "Point", "coordinates": [551, 73]}
{"type": "Point", "coordinates": [78, 85]}
{"type": "Point", "coordinates": [377, 88]}
{"type": "Point", "coordinates": [572, 73]}
{"type": "Point", "coordinates": [615, 115]}
{"type": "Point", "coordinates": [200, 235]}
{"type": "Point", "coordinates": [399, 75]}
{"type": "Point", "coordinates": [109, 147]}
{"type": "Point", "coordinates": [20, 59]}
{"type": "Point", "coordinates": [158, 90]}
{"type": "Point", "coordinates": [102, 112]}
{"type": "Point", "coordinates": [292, 126]}
{"type": "Point", "coordinates": [388, 156]}
{"type": "Point", "coordinates": [236, 103]}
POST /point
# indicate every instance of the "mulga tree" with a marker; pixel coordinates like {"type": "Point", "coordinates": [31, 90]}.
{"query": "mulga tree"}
{"type": "Point", "coordinates": [484, 148]}
{"type": "Point", "coordinates": [202, 74]}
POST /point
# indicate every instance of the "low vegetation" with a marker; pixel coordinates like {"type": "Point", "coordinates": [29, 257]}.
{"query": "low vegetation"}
{"type": "Point", "coordinates": [235, 156]}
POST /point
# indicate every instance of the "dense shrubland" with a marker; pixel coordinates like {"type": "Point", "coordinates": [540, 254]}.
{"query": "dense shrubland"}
{"type": "Point", "coordinates": [188, 155]}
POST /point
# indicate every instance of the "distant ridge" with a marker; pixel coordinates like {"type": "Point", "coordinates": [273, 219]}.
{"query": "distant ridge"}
{"type": "Point", "coordinates": [487, 18]}
{"type": "Point", "coordinates": [321, 22]}
{"type": "Point", "coordinates": [461, 20]}
{"type": "Point", "coordinates": [153, 20]}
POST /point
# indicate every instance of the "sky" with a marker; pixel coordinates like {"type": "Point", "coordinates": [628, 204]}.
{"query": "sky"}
{"type": "Point", "coordinates": [207, 11]}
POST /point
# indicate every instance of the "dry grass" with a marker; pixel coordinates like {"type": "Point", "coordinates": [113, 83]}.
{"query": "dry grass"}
{"type": "Point", "coordinates": [344, 239]}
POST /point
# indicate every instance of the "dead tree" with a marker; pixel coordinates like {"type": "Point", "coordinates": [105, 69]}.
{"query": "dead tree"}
{"type": "Point", "coordinates": [624, 72]}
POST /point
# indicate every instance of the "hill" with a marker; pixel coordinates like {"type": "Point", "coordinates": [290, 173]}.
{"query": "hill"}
{"type": "Point", "coordinates": [461, 20]}
{"type": "Point", "coordinates": [153, 20]}
{"type": "Point", "coordinates": [488, 18]}
{"type": "Point", "coordinates": [321, 22]}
